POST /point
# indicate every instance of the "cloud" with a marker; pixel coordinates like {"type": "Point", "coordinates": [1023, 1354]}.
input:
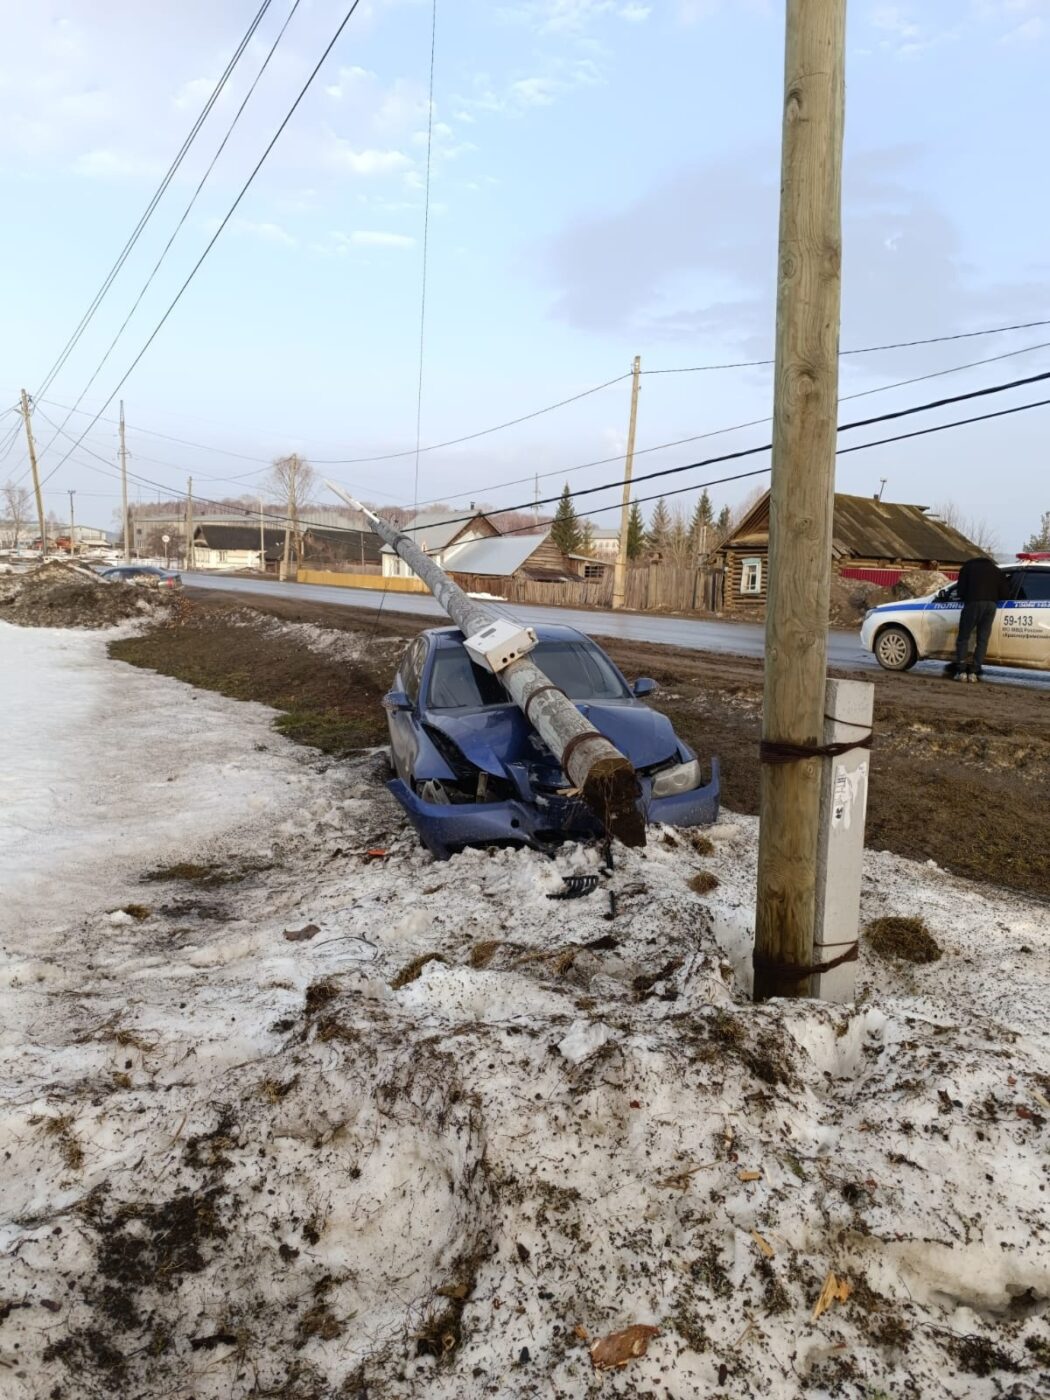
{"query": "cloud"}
{"type": "Point", "coordinates": [573, 17]}
{"type": "Point", "coordinates": [343, 156]}
{"type": "Point", "coordinates": [379, 238]}
{"type": "Point", "coordinates": [694, 258]}
{"type": "Point", "coordinates": [105, 164]}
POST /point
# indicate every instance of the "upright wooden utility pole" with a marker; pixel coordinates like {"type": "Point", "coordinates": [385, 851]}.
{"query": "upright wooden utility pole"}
{"type": "Point", "coordinates": [36, 473]}
{"type": "Point", "coordinates": [124, 487]}
{"type": "Point", "coordinates": [189, 522]}
{"type": "Point", "coordinates": [620, 571]}
{"type": "Point", "coordinates": [262, 538]}
{"type": "Point", "coordinates": [293, 467]}
{"type": "Point", "coordinates": [805, 405]}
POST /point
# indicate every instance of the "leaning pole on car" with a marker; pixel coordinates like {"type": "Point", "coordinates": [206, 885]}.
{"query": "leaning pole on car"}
{"type": "Point", "coordinates": [606, 780]}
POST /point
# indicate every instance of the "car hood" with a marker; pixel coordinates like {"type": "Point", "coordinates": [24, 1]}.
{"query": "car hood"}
{"type": "Point", "coordinates": [492, 738]}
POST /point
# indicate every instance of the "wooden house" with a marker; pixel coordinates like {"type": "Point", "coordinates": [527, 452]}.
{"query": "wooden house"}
{"type": "Point", "coordinates": [872, 540]}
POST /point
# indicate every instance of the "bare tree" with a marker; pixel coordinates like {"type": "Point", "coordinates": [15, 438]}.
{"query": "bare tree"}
{"type": "Point", "coordinates": [975, 528]}
{"type": "Point", "coordinates": [292, 481]}
{"type": "Point", "coordinates": [17, 504]}
{"type": "Point", "coordinates": [679, 547]}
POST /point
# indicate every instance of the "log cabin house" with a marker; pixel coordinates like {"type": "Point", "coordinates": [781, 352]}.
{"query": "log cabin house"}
{"type": "Point", "coordinates": [872, 540]}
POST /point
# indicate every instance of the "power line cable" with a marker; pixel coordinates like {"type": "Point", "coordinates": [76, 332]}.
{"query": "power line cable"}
{"type": "Point", "coordinates": [215, 236]}
{"type": "Point", "coordinates": [158, 194]}
{"type": "Point", "coordinates": [185, 215]}
{"type": "Point", "coordinates": [863, 350]}
{"type": "Point", "coordinates": [426, 245]}
{"type": "Point", "coordinates": [711, 461]}
{"type": "Point", "coordinates": [479, 491]}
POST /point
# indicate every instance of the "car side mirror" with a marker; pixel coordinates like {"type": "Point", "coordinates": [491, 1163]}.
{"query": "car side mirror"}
{"type": "Point", "coordinates": [396, 700]}
{"type": "Point", "coordinates": [644, 685]}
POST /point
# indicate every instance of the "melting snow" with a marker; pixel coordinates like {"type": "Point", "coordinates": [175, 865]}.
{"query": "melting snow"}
{"type": "Point", "coordinates": [241, 1165]}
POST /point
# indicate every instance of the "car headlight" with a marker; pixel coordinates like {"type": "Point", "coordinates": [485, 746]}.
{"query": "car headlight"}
{"type": "Point", "coordinates": [683, 777]}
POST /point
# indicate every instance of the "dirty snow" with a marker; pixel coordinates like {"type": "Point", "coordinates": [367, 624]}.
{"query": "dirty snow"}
{"type": "Point", "coordinates": [239, 1164]}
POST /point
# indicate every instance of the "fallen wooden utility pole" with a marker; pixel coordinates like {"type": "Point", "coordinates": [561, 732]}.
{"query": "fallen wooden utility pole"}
{"type": "Point", "coordinates": [805, 406]}
{"type": "Point", "coordinates": [605, 778]}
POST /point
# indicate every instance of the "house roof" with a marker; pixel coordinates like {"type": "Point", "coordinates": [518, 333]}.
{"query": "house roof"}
{"type": "Point", "coordinates": [865, 528]}
{"type": "Point", "coordinates": [435, 529]}
{"type": "Point", "coordinates": [499, 555]}
{"type": "Point", "coordinates": [235, 536]}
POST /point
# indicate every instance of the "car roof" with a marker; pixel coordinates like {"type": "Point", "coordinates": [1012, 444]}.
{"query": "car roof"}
{"type": "Point", "coordinates": [545, 632]}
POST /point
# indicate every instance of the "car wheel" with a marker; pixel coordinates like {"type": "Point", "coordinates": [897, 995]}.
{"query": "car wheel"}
{"type": "Point", "coordinates": [895, 649]}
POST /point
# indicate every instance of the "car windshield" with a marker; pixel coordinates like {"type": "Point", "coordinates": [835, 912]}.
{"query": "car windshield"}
{"type": "Point", "coordinates": [578, 668]}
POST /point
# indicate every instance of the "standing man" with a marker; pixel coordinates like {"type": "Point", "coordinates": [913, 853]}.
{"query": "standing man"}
{"type": "Point", "coordinates": [980, 588]}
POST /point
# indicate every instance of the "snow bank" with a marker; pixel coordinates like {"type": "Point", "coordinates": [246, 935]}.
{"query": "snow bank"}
{"type": "Point", "coordinates": [449, 1126]}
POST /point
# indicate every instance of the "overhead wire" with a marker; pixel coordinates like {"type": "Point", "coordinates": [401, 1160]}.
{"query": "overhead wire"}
{"type": "Point", "coordinates": [426, 246]}
{"type": "Point", "coordinates": [158, 194]}
{"type": "Point", "coordinates": [736, 455]}
{"type": "Point", "coordinates": [215, 236]}
{"type": "Point", "coordinates": [477, 491]}
{"type": "Point", "coordinates": [185, 215]}
{"type": "Point", "coordinates": [862, 350]}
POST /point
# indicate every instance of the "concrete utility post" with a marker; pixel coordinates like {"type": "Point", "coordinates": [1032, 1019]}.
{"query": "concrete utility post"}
{"type": "Point", "coordinates": [262, 538]}
{"type": "Point", "coordinates": [805, 406]}
{"type": "Point", "coordinates": [605, 778]}
{"type": "Point", "coordinates": [620, 571]}
{"type": "Point", "coordinates": [124, 487]}
{"type": "Point", "coordinates": [72, 526]}
{"type": "Point", "coordinates": [286, 563]}
{"type": "Point", "coordinates": [36, 473]}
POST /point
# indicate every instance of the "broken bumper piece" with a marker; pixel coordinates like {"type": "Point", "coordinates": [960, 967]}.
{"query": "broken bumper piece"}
{"type": "Point", "coordinates": [445, 828]}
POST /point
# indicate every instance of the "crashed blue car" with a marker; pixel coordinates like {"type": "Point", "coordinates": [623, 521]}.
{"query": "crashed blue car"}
{"type": "Point", "coordinates": [472, 771]}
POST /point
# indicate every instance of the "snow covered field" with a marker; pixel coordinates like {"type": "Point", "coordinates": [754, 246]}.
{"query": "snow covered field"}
{"type": "Point", "coordinates": [307, 1123]}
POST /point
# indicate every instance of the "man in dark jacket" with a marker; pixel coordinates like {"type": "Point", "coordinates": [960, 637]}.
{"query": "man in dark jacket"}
{"type": "Point", "coordinates": [980, 588]}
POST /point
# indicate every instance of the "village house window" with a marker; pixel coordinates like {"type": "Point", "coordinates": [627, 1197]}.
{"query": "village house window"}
{"type": "Point", "coordinates": [751, 576]}
{"type": "Point", "coordinates": [593, 571]}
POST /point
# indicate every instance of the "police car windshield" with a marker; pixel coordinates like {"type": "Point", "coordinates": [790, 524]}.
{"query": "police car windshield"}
{"type": "Point", "coordinates": [578, 668]}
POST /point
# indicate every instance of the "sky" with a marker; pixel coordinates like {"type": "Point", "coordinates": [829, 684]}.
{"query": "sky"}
{"type": "Point", "coordinates": [604, 184]}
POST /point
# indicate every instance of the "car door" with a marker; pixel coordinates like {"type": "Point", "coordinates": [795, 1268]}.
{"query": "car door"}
{"type": "Point", "coordinates": [940, 625]}
{"type": "Point", "coordinates": [1023, 620]}
{"type": "Point", "coordinates": [402, 723]}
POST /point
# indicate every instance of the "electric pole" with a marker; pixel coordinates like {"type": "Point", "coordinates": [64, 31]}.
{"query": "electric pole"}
{"type": "Point", "coordinates": [124, 487]}
{"type": "Point", "coordinates": [36, 474]}
{"type": "Point", "coordinates": [189, 522]}
{"type": "Point", "coordinates": [805, 407]}
{"type": "Point", "coordinates": [72, 526]}
{"type": "Point", "coordinates": [262, 538]}
{"type": "Point", "coordinates": [620, 571]}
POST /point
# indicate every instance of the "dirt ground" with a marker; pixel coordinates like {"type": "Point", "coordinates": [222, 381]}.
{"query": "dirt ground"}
{"type": "Point", "coordinates": [960, 774]}
{"type": "Point", "coordinates": [63, 594]}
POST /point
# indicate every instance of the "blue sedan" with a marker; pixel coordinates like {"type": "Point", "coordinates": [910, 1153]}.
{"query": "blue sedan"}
{"type": "Point", "coordinates": [472, 771]}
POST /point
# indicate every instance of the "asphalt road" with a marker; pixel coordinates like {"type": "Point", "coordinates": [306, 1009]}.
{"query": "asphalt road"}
{"type": "Point", "coordinates": [691, 634]}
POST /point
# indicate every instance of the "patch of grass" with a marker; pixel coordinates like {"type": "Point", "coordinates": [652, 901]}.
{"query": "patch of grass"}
{"type": "Point", "coordinates": [701, 844]}
{"type": "Point", "coordinates": [205, 877]}
{"type": "Point", "coordinates": [61, 1130]}
{"type": "Point", "coordinates": [410, 972]}
{"type": "Point", "coordinates": [331, 731]}
{"type": "Point", "coordinates": [319, 994]}
{"type": "Point", "coordinates": [482, 953]}
{"type": "Point", "coordinates": [979, 1356]}
{"type": "Point", "coordinates": [703, 882]}
{"type": "Point", "coordinates": [903, 937]}
{"type": "Point", "coordinates": [137, 911]}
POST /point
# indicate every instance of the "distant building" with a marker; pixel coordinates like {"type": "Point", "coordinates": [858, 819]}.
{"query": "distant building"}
{"type": "Point", "coordinates": [474, 552]}
{"type": "Point", "coordinates": [223, 546]}
{"type": "Point", "coordinates": [873, 541]}
{"type": "Point", "coordinates": [606, 544]}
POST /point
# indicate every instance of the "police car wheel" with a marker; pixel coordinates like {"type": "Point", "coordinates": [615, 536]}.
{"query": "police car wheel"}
{"type": "Point", "coordinates": [895, 649]}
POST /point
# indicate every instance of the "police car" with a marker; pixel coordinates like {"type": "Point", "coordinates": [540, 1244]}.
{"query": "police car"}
{"type": "Point", "coordinates": [924, 629]}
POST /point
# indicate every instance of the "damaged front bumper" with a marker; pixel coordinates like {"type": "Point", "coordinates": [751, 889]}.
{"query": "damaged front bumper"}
{"type": "Point", "coordinates": [540, 819]}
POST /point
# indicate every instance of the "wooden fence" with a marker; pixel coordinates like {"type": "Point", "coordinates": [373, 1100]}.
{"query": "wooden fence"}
{"type": "Point", "coordinates": [648, 588]}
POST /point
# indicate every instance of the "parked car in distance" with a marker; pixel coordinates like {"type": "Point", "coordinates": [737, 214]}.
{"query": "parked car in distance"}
{"type": "Point", "coordinates": [920, 629]}
{"type": "Point", "coordinates": [471, 770]}
{"type": "Point", "coordinates": [142, 574]}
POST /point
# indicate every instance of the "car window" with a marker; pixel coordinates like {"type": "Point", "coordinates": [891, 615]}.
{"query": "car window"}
{"type": "Point", "coordinates": [412, 667]}
{"type": "Point", "coordinates": [1012, 583]}
{"type": "Point", "coordinates": [1035, 586]}
{"type": "Point", "coordinates": [582, 671]}
{"type": "Point", "coordinates": [579, 668]}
